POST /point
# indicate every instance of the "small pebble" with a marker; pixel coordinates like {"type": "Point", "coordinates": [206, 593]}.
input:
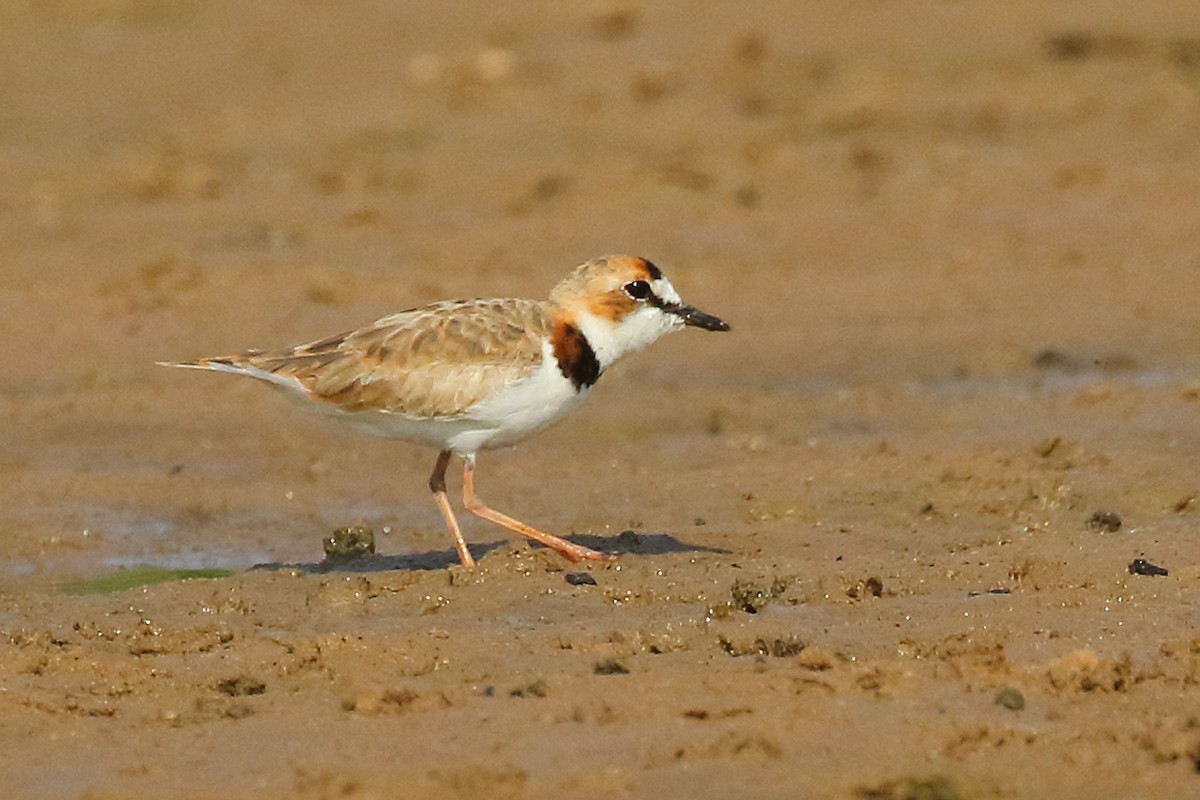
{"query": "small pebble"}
{"type": "Point", "coordinates": [1140, 566]}
{"type": "Point", "coordinates": [1104, 521]}
{"type": "Point", "coordinates": [580, 579]}
{"type": "Point", "coordinates": [611, 666]}
{"type": "Point", "coordinates": [1011, 699]}
{"type": "Point", "coordinates": [997, 590]}
{"type": "Point", "coordinates": [345, 544]}
{"type": "Point", "coordinates": [535, 689]}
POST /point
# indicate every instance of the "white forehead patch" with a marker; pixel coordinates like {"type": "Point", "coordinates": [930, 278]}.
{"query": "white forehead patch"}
{"type": "Point", "coordinates": [663, 288]}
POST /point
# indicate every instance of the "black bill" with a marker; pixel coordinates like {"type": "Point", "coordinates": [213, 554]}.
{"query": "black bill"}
{"type": "Point", "coordinates": [696, 318]}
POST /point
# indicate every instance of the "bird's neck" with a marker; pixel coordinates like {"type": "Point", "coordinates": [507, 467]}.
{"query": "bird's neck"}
{"type": "Point", "coordinates": [609, 341]}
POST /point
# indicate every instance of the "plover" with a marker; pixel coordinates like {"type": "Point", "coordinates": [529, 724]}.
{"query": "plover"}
{"type": "Point", "coordinates": [469, 375]}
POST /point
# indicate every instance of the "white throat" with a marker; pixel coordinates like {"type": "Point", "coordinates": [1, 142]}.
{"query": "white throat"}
{"type": "Point", "coordinates": [610, 341]}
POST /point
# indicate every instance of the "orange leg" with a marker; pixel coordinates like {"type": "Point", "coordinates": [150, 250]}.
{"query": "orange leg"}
{"type": "Point", "coordinates": [568, 550]}
{"type": "Point", "coordinates": [437, 485]}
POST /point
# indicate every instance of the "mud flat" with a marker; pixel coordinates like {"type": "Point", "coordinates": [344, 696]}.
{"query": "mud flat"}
{"type": "Point", "coordinates": [902, 534]}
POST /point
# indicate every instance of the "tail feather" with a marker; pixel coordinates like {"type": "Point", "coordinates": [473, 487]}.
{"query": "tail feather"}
{"type": "Point", "coordinates": [238, 365]}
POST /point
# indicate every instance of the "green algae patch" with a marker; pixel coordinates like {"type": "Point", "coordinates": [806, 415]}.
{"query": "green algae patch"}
{"type": "Point", "coordinates": [133, 577]}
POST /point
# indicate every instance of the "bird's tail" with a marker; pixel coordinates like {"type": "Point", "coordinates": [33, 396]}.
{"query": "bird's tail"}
{"type": "Point", "coordinates": [236, 365]}
{"type": "Point", "coordinates": [219, 364]}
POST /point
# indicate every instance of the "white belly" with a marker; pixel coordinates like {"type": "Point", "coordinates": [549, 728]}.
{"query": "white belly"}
{"type": "Point", "coordinates": [502, 419]}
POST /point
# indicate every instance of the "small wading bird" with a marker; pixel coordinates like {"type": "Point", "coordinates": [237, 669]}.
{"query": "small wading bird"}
{"type": "Point", "coordinates": [468, 375]}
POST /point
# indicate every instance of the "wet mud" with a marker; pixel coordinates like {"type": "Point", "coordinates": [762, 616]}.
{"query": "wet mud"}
{"type": "Point", "coordinates": [924, 524]}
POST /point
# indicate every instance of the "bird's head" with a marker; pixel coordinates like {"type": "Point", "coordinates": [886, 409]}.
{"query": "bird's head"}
{"type": "Point", "coordinates": [623, 303]}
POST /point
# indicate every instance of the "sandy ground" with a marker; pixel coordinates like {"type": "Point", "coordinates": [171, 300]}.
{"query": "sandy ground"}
{"type": "Point", "coordinates": [958, 246]}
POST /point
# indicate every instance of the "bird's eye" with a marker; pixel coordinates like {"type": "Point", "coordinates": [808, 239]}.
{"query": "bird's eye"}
{"type": "Point", "coordinates": [638, 290]}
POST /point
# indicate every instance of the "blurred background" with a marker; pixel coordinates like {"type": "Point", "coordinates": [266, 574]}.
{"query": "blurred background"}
{"type": "Point", "coordinates": [946, 199]}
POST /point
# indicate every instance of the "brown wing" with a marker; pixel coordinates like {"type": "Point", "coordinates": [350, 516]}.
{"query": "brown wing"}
{"type": "Point", "coordinates": [434, 361]}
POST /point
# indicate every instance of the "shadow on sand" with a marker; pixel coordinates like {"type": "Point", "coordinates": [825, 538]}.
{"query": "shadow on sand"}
{"type": "Point", "coordinates": [625, 543]}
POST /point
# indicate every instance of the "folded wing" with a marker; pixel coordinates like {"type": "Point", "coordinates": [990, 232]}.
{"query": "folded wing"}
{"type": "Point", "coordinates": [431, 362]}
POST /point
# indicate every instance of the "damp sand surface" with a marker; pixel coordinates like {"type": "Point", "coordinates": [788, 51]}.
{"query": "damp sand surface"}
{"type": "Point", "coordinates": [874, 543]}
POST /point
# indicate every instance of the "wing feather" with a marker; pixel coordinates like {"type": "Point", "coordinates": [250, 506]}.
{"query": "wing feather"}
{"type": "Point", "coordinates": [430, 362]}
